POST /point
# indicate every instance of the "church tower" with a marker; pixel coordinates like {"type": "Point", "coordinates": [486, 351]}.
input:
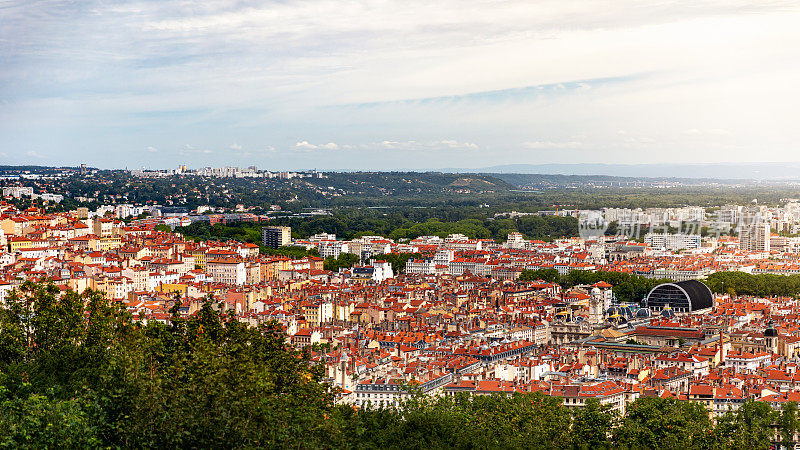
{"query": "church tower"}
{"type": "Point", "coordinates": [771, 337]}
{"type": "Point", "coordinates": [596, 307]}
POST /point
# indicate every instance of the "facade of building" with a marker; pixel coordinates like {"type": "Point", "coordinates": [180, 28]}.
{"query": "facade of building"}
{"type": "Point", "coordinates": [275, 237]}
{"type": "Point", "coordinates": [672, 241]}
{"type": "Point", "coordinates": [755, 237]}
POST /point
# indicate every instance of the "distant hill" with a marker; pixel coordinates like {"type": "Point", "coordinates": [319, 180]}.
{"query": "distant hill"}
{"type": "Point", "coordinates": [722, 170]}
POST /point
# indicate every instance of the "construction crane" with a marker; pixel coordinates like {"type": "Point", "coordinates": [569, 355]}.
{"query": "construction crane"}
{"type": "Point", "coordinates": [559, 206]}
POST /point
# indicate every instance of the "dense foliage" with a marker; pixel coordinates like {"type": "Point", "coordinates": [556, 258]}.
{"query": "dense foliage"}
{"type": "Point", "coordinates": [243, 232]}
{"type": "Point", "coordinates": [398, 261]}
{"type": "Point", "coordinates": [76, 372]}
{"type": "Point", "coordinates": [356, 223]}
{"type": "Point", "coordinates": [343, 261]}
{"type": "Point", "coordinates": [389, 190]}
{"type": "Point", "coordinates": [763, 285]}
{"type": "Point", "coordinates": [548, 275]}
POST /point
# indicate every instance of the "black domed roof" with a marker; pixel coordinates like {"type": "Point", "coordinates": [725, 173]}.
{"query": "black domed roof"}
{"type": "Point", "coordinates": [699, 293]}
{"type": "Point", "coordinates": [687, 296]}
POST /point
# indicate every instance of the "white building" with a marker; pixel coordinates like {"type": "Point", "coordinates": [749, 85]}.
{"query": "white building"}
{"type": "Point", "coordinates": [672, 241]}
{"type": "Point", "coordinates": [227, 270]}
{"type": "Point", "coordinates": [755, 237]}
{"type": "Point", "coordinates": [421, 267]}
{"type": "Point", "coordinates": [515, 240]}
{"type": "Point", "coordinates": [17, 191]}
{"type": "Point", "coordinates": [746, 362]}
{"type": "Point", "coordinates": [332, 248]}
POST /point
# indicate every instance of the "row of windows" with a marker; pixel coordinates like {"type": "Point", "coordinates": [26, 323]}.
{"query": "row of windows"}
{"type": "Point", "coordinates": [373, 387]}
{"type": "Point", "coordinates": [366, 395]}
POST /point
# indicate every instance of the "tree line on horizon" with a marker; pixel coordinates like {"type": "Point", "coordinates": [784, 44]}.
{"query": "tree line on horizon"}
{"type": "Point", "coordinates": [416, 195]}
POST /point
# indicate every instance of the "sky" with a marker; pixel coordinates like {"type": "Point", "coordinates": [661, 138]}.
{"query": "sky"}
{"type": "Point", "coordinates": [397, 85]}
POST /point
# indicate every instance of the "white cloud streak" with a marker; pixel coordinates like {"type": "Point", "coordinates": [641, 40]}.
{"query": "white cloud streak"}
{"type": "Point", "coordinates": [305, 145]}
{"type": "Point", "coordinates": [445, 144]}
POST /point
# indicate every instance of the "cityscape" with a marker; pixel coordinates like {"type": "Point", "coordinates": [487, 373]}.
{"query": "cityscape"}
{"type": "Point", "coordinates": [654, 303]}
{"type": "Point", "coordinates": [407, 225]}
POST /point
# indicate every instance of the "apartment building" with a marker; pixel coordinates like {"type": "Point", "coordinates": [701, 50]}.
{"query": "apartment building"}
{"type": "Point", "coordinates": [672, 241]}
{"type": "Point", "coordinates": [275, 237]}
{"type": "Point", "coordinates": [227, 270]}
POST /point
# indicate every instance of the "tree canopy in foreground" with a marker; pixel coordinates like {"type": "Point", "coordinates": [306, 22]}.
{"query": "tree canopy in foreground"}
{"type": "Point", "coordinates": [77, 372]}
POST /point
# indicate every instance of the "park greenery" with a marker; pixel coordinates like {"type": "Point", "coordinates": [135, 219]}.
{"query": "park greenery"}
{"type": "Point", "coordinates": [291, 251]}
{"type": "Point", "coordinates": [347, 260]}
{"type": "Point", "coordinates": [629, 287]}
{"type": "Point", "coordinates": [395, 226]}
{"type": "Point", "coordinates": [398, 261]}
{"type": "Point", "coordinates": [78, 372]}
{"type": "Point", "coordinates": [343, 261]}
{"type": "Point", "coordinates": [761, 285]}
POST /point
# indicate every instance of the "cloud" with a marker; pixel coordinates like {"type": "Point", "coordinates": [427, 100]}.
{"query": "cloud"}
{"type": "Point", "coordinates": [410, 145]}
{"type": "Point", "coordinates": [445, 144]}
{"type": "Point", "coordinates": [34, 154]}
{"type": "Point", "coordinates": [456, 144]}
{"type": "Point", "coordinates": [549, 145]}
{"type": "Point", "coordinates": [152, 149]}
{"type": "Point", "coordinates": [305, 145]}
{"type": "Point", "coordinates": [235, 147]}
{"type": "Point", "coordinates": [654, 68]}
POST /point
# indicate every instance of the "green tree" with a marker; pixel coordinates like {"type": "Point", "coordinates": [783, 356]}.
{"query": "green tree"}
{"type": "Point", "coordinates": [591, 426]}
{"type": "Point", "coordinates": [789, 424]}
{"type": "Point", "coordinates": [398, 261]}
{"type": "Point", "coordinates": [343, 261]}
{"type": "Point", "coordinates": [663, 423]}
{"type": "Point", "coordinates": [37, 421]}
{"type": "Point", "coordinates": [549, 275]}
{"type": "Point", "coordinates": [76, 369]}
{"type": "Point", "coordinates": [749, 427]}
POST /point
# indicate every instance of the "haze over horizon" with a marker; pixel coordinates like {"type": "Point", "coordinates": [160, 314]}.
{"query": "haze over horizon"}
{"type": "Point", "coordinates": [382, 86]}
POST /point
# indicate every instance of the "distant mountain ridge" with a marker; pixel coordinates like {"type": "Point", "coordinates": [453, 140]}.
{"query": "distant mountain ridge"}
{"type": "Point", "coordinates": [723, 170]}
